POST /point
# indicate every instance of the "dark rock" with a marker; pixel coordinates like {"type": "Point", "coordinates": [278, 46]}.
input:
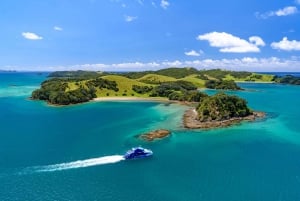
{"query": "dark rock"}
{"type": "Point", "coordinates": [190, 120]}
{"type": "Point", "coordinates": [157, 134]}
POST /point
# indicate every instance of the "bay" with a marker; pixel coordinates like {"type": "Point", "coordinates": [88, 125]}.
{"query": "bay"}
{"type": "Point", "coordinates": [251, 161]}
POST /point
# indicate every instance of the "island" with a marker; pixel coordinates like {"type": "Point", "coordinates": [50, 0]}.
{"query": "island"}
{"type": "Point", "coordinates": [179, 85]}
{"type": "Point", "coordinates": [153, 135]}
{"type": "Point", "coordinates": [219, 110]}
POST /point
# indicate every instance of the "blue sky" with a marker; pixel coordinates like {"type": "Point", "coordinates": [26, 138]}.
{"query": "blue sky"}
{"type": "Point", "coordinates": [122, 35]}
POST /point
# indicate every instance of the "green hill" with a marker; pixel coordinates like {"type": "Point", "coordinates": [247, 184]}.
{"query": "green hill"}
{"type": "Point", "coordinates": [200, 83]}
{"type": "Point", "coordinates": [253, 77]}
{"type": "Point", "coordinates": [155, 79]}
{"type": "Point", "coordinates": [123, 84]}
{"type": "Point", "coordinates": [125, 87]}
{"type": "Point", "coordinates": [222, 107]}
{"type": "Point", "coordinates": [237, 76]}
{"type": "Point", "coordinates": [170, 72]}
{"type": "Point", "coordinates": [177, 72]}
{"type": "Point", "coordinates": [173, 83]}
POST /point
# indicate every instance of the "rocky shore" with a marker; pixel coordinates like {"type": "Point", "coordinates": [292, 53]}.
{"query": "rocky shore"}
{"type": "Point", "coordinates": [157, 134]}
{"type": "Point", "coordinates": [190, 120]}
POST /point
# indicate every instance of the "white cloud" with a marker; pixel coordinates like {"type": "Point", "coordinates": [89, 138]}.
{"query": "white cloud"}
{"type": "Point", "coordinates": [257, 41]}
{"type": "Point", "coordinates": [164, 4]}
{"type": "Point", "coordinates": [194, 53]}
{"type": "Point", "coordinates": [31, 36]}
{"type": "Point", "coordinates": [175, 63]}
{"type": "Point", "coordinates": [253, 64]}
{"type": "Point", "coordinates": [57, 28]}
{"type": "Point", "coordinates": [289, 10]}
{"type": "Point", "coordinates": [247, 63]}
{"type": "Point", "coordinates": [286, 45]}
{"type": "Point", "coordinates": [130, 18]}
{"type": "Point", "coordinates": [297, 1]}
{"type": "Point", "coordinates": [233, 44]}
{"type": "Point", "coordinates": [127, 66]}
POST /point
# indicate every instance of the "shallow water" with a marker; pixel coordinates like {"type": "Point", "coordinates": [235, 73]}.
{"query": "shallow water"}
{"type": "Point", "coordinates": [250, 161]}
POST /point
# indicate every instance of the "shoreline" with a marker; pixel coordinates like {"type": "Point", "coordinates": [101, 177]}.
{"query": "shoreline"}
{"type": "Point", "coordinates": [120, 99]}
{"type": "Point", "coordinates": [141, 99]}
{"type": "Point", "coordinates": [190, 120]}
{"type": "Point", "coordinates": [112, 99]}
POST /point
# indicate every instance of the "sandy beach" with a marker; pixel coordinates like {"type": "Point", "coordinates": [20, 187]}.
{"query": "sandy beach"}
{"type": "Point", "coordinates": [158, 99]}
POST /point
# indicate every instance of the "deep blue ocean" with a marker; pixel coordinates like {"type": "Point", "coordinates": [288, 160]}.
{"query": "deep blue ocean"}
{"type": "Point", "coordinates": [73, 153]}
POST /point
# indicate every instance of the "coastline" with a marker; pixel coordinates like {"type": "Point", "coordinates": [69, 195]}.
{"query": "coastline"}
{"type": "Point", "coordinates": [112, 99]}
{"type": "Point", "coordinates": [190, 120]}
{"type": "Point", "coordinates": [148, 99]}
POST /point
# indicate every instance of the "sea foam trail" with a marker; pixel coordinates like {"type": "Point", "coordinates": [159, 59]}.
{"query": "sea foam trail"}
{"type": "Point", "coordinates": [81, 163]}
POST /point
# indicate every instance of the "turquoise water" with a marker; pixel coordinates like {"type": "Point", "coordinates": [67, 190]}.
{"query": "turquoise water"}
{"type": "Point", "coordinates": [249, 162]}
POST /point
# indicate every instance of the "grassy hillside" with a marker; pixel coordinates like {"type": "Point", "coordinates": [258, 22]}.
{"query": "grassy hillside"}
{"type": "Point", "coordinates": [124, 85]}
{"type": "Point", "coordinates": [237, 76]}
{"type": "Point", "coordinates": [170, 72]}
{"type": "Point", "coordinates": [177, 72]}
{"type": "Point", "coordinates": [254, 77]}
{"type": "Point", "coordinates": [200, 83]}
{"type": "Point", "coordinates": [155, 79]}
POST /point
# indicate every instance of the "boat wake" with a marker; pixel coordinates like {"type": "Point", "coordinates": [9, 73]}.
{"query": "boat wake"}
{"type": "Point", "coordinates": [134, 153]}
{"type": "Point", "coordinates": [81, 163]}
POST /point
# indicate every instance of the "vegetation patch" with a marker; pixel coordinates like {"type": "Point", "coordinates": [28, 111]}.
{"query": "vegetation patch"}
{"type": "Point", "coordinates": [222, 84]}
{"type": "Point", "coordinates": [142, 89]}
{"type": "Point", "coordinates": [199, 83]}
{"type": "Point", "coordinates": [155, 79]}
{"type": "Point", "coordinates": [54, 91]}
{"type": "Point", "coordinates": [102, 84]}
{"type": "Point", "coordinates": [219, 110]}
{"type": "Point", "coordinates": [222, 107]}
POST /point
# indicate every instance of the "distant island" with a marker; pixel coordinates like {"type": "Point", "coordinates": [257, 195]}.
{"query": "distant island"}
{"type": "Point", "coordinates": [7, 71]}
{"type": "Point", "coordinates": [173, 84]}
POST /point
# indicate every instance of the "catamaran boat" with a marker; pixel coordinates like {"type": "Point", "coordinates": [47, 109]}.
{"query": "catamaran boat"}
{"type": "Point", "coordinates": [137, 152]}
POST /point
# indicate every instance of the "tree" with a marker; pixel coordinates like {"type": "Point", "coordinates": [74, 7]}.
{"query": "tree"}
{"type": "Point", "coordinates": [221, 107]}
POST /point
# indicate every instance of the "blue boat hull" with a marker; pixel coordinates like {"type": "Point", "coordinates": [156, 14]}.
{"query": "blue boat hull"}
{"type": "Point", "coordinates": [138, 152]}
